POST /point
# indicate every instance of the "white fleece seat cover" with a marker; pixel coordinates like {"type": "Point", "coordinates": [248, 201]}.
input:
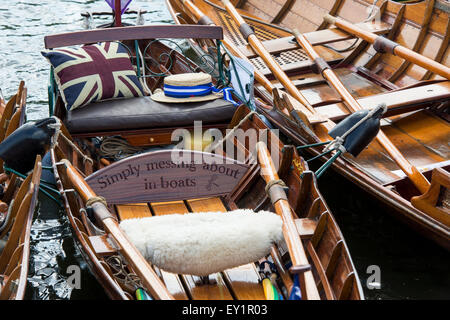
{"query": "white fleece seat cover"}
{"type": "Point", "coordinates": [204, 243]}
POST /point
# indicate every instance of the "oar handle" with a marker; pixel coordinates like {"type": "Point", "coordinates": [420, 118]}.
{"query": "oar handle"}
{"type": "Point", "coordinates": [140, 266]}
{"type": "Point", "coordinates": [382, 45]}
{"type": "Point", "coordinates": [300, 263]}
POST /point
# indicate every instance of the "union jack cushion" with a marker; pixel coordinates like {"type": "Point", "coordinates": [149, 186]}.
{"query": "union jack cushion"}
{"type": "Point", "coordinates": [93, 73]}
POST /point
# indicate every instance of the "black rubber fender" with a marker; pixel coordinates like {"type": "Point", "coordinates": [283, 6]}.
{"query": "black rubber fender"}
{"type": "Point", "coordinates": [19, 150]}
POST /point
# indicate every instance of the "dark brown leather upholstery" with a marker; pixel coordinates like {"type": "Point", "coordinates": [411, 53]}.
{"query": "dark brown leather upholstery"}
{"type": "Point", "coordinates": [144, 113]}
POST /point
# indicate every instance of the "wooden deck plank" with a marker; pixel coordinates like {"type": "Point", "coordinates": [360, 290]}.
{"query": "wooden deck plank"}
{"type": "Point", "coordinates": [244, 280]}
{"type": "Point", "coordinates": [163, 208]}
{"type": "Point", "coordinates": [196, 289]}
{"type": "Point", "coordinates": [416, 151]}
{"type": "Point", "coordinates": [429, 130]}
{"type": "Point", "coordinates": [172, 281]}
{"type": "Point", "coordinates": [133, 211]}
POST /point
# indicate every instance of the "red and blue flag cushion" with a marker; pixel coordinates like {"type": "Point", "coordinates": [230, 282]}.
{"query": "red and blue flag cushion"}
{"type": "Point", "coordinates": [93, 73]}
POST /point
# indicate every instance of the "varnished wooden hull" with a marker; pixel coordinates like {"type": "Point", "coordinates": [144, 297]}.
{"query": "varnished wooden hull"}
{"type": "Point", "coordinates": [20, 197]}
{"type": "Point", "coordinates": [422, 135]}
{"type": "Point", "coordinates": [327, 252]}
{"type": "Point", "coordinates": [321, 245]}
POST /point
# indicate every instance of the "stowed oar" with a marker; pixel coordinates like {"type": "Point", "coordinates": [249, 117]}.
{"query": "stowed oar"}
{"type": "Point", "coordinates": [148, 277]}
{"type": "Point", "coordinates": [411, 171]}
{"type": "Point", "coordinates": [300, 265]}
{"type": "Point", "coordinates": [205, 20]}
{"type": "Point", "coordinates": [248, 33]}
{"type": "Point", "coordinates": [384, 45]}
{"type": "Point", "coordinates": [259, 77]}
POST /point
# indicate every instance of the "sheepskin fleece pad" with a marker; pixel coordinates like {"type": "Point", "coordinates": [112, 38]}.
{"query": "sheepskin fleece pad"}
{"type": "Point", "coordinates": [204, 243]}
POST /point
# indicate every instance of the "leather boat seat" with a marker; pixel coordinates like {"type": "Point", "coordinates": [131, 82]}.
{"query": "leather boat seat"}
{"type": "Point", "coordinates": [145, 113]}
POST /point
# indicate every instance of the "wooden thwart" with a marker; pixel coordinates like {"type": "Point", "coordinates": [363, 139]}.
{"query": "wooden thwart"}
{"type": "Point", "coordinates": [133, 211]}
{"type": "Point", "coordinates": [320, 37]}
{"type": "Point", "coordinates": [396, 101]}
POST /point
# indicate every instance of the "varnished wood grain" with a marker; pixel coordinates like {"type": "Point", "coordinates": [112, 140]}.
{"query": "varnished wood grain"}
{"type": "Point", "coordinates": [132, 33]}
{"type": "Point", "coordinates": [166, 175]}
{"type": "Point", "coordinates": [133, 211]}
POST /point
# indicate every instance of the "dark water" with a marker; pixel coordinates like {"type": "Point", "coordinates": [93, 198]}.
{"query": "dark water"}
{"type": "Point", "coordinates": [411, 266]}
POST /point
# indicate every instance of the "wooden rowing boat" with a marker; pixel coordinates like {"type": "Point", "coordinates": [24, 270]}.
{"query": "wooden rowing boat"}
{"type": "Point", "coordinates": [17, 205]}
{"type": "Point", "coordinates": [314, 246]}
{"type": "Point", "coordinates": [407, 167]}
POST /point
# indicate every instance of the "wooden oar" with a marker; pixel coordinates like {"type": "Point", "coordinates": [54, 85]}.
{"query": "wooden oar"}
{"type": "Point", "coordinates": [259, 77]}
{"type": "Point", "coordinates": [411, 171]}
{"type": "Point", "coordinates": [300, 264]}
{"type": "Point", "coordinates": [142, 268]}
{"type": "Point", "coordinates": [382, 44]}
{"type": "Point", "coordinates": [248, 33]}
{"type": "Point", "coordinates": [205, 20]}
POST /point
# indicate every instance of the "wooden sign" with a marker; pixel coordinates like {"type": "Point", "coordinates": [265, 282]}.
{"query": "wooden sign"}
{"type": "Point", "coordinates": [167, 175]}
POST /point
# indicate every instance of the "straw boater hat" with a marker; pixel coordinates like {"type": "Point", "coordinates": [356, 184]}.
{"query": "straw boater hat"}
{"type": "Point", "coordinates": [187, 87]}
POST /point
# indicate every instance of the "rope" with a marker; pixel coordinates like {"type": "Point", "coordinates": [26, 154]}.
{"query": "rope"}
{"type": "Point", "coordinates": [74, 146]}
{"type": "Point", "coordinates": [57, 127]}
{"type": "Point", "coordinates": [42, 185]}
{"type": "Point", "coordinates": [271, 183]}
{"type": "Point", "coordinates": [117, 148]}
{"type": "Point", "coordinates": [232, 130]}
{"type": "Point", "coordinates": [120, 272]}
{"type": "Point", "coordinates": [96, 199]}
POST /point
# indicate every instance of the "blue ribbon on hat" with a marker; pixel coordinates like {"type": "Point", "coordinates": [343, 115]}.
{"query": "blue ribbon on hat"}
{"type": "Point", "coordinates": [198, 91]}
